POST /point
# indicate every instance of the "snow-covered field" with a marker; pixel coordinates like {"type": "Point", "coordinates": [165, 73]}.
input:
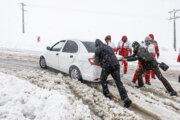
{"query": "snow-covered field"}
{"type": "Point", "coordinates": [46, 94]}
{"type": "Point", "coordinates": [29, 93]}
{"type": "Point", "coordinates": [22, 100]}
{"type": "Point", "coordinates": [51, 92]}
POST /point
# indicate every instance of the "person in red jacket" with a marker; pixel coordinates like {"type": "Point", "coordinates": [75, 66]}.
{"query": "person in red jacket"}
{"type": "Point", "coordinates": [149, 45]}
{"type": "Point", "coordinates": [109, 43]}
{"type": "Point", "coordinates": [178, 60]}
{"type": "Point", "coordinates": [146, 74]}
{"type": "Point", "coordinates": [156, 52]}
{"type": "Point", "coordinates": [123, 49]}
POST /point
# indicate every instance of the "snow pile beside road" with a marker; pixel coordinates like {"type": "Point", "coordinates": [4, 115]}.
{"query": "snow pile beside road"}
{"type": "Point", "coordinates": [20, 99]}
{"type": "Point", "coordinates": [102, 106]}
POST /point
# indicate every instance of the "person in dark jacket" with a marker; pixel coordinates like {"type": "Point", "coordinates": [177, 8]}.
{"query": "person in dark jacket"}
{"type": "Point", "coordinates": [148, 63]}
{"type": "Point", "coordinates": [105, 56]}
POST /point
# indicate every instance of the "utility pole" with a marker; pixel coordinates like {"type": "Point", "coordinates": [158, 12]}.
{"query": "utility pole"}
{"type": "Point", "coordinates": [23, 24]}
{"type": "Point", "coordinates": [174, 17]}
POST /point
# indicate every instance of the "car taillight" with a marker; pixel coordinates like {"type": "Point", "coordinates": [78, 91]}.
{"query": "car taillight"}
{"type": "Point", "coordinates": [91, 60]}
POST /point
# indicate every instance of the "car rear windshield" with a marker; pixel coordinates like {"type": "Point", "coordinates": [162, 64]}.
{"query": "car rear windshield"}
{"type": "Point", "coordinates": [90, 46]}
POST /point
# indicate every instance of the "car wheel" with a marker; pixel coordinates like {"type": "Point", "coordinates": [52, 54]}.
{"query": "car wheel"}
{"type": "Point", "coordinates": [75, 73]}
{"type": "Point", "coordinates": [42, 62]}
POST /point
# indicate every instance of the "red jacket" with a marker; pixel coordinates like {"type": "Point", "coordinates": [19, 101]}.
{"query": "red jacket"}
{"type": "Point", "coordinates": [124, 48]}
{"type": "Point", "coordinates": [156, 47]}
{"type": "Point", "coordinates": [178, 60]}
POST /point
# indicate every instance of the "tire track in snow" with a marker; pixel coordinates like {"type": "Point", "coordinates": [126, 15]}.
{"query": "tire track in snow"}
{"type": "Point", "coordinates": [41, 81]}
{"type": "Point", "coordinates": [103, 107]}
{"type": "Point", "coordinates": [115, 98]}
{"type": "Point", "coordinates": [160, 97]}
{"type": "Point", "coordinates": [98, 101]}
{"type": "Point", "coordinates": [22, 70]}
{"type": "Point", "coordinates": [141, 111]}
{"type": "Point", "coordinates": [157, 90]}
{"type": "Point", "coordinates": [159, 93]}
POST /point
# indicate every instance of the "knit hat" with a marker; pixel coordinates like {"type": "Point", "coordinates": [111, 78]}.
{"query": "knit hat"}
{"type": "Point", "coordinates": [124, 37]}
{"type": "Point", "coordinates": [148, 38]}
{"type": "Point", "coordinates": [108, 37]}
{"type": "Point", "coordinates": [135, 45]}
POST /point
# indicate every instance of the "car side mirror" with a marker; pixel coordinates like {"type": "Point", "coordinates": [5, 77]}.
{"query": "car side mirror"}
{"type": "Point", "coordinates": [48, 48]}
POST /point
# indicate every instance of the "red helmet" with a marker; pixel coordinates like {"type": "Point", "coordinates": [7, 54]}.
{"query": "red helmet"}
{"type": "Point", "coordinates": [151, 35]}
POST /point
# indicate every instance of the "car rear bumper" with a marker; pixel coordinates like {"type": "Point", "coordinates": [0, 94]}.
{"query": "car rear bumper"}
{"type": "Point", "coordinates": [93, 73]}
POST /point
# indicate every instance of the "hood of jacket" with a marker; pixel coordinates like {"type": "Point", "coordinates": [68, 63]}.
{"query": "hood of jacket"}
{"type": "Point", "coordinates": [98, 43]}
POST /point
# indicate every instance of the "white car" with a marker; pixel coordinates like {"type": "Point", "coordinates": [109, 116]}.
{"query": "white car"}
{"type": "Point", "coordinates": [75, 58]}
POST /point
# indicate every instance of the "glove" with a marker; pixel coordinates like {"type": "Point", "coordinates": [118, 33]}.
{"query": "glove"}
{"type": "Point", "coordinates": [157, 55]}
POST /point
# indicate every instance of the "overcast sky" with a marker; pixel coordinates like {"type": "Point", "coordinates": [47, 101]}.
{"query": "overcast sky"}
{"type": "Point", "coordinates": [90, 19]}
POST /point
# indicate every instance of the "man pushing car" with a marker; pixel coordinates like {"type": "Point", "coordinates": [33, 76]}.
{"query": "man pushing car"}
{"type": "Point", "coordinates": [148, 63]}
{"type": "Point", "coordinates": [105, 56]}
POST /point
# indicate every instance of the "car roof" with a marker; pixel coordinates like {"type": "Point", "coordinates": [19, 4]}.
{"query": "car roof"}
{"type": "Point", "coordinates": [78, 40]}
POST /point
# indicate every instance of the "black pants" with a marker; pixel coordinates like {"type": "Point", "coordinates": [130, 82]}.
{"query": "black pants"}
{"type": "Point", "coordinates": [115, 72]}
{"type": "Point", "coordinates": [158, 74]}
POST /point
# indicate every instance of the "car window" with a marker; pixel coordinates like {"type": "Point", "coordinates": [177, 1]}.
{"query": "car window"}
{"type": "Point", "coordinates": [70, 47]}
{"type": "Point", "coordinates": [58, 46]}
{"type": "Point", "coordinates": [90, 46]}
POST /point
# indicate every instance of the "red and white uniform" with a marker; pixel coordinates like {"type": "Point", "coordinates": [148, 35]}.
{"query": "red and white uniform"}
{"type": "Point", "coordinates": [156, 45]}
{"type": "Point", "coordinates": [147, 74]}
{"type": "Point", "coordinates": [123, 49]}
{"type": "Point", "coordinates": [152, 49]}
{"type": "Point", "coordinates": [156, 48]}
{"type": "Point", "coordinates": [112, 45]}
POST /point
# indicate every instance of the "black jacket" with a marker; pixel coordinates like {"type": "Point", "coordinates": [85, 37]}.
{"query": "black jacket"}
{"type": "Point", "coordinates": [144, 57]}
{"type": "Point", "coordinates": [104, 55]}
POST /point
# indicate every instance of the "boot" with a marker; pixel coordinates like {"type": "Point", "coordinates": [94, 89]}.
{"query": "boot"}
{"type": "Point", "coordinates": [127, 102]}
{"type": "Point", "coordinates": [133, 82]}
{"type": "Point", "coordinates": [174, 93]}
{"type": "Point", "coordinates": [137, 86]}
{"type": "Point", "coordinates": [148, 83]}
{"type": "Point", "coordinates": [108, 96]}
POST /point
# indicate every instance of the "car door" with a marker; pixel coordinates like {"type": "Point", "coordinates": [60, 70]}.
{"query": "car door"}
{"type": "Point", "coordinates": [53, 55]}
{"type": "Point", "coordinates": [67, 55]}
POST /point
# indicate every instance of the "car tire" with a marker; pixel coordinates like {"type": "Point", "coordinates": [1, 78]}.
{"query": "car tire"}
{"type": "Point", "coordinates": [42, 62]}
{"type": "Point", "coordinates": [75, 73]}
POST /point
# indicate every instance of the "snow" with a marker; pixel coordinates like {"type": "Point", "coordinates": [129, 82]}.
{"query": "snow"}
{"type": "Point", "coordinates": [170, 58]}
{"type": "Point", "coordinates": [22, 100]}
{"type": "Point", "coordinates": [59, 103]}
{"type": "Point", "coordinates": [85, 20]}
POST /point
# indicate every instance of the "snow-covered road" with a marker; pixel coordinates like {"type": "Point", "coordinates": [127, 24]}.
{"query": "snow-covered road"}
{"type": "Point", "coordinates": [151, 102]}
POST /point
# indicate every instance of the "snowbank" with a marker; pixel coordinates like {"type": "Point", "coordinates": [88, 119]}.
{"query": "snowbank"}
{"type": "Point", "coordinates": [21, 100]}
